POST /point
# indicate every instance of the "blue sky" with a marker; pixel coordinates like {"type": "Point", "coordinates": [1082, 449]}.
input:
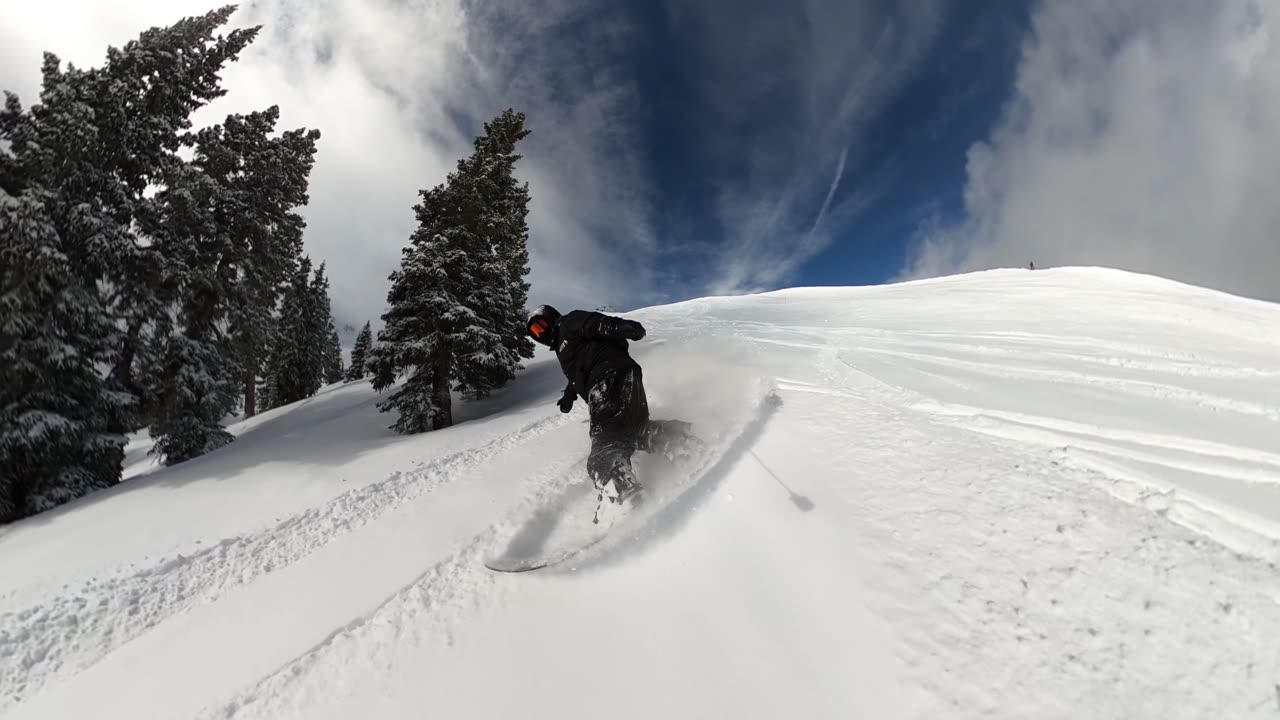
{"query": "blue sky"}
{"type": "Point", "coordinates": [690, 147]}
{"type": "Point", "coordinates": [904, 153]}
{"type": "Point", "coordinates": [770, 144]}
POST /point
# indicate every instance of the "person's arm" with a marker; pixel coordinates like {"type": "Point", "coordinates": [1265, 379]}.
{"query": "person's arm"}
{"type": "Point", "coordinates": [598, 326]}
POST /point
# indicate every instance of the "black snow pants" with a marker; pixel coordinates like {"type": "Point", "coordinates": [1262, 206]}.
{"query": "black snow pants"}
{"type": "Point", "coordinates": [620, 425]}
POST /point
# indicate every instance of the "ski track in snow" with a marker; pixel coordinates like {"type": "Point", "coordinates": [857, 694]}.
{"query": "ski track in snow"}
{"type": "Point", "coordinates": [444, 598]}
{"type": "Point", "coordinates": [65, 634]}
{"type": "Point", "coordinates": [1127, 384]}
{"type": "Point", "coordinates": [1007, 494]}
{"type": "Point", "coordinates": [1038, 593]}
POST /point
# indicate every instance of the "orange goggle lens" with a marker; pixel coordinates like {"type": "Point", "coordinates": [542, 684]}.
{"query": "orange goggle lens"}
{"type": "Point", "coordinates": [537, 327]}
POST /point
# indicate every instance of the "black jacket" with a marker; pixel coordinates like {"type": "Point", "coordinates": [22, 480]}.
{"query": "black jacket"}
{"type": "Point", "coordinates": [589, 344]}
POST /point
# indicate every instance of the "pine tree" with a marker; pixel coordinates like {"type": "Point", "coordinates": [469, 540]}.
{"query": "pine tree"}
{"type": "Point", "coordinates": [198, 389]}
{"type": "Point", "coordinates": [79, 290]}
{"type": "Point", "coordinates": [191, 380]}
{"type": "Point", "coordinates": [501, 206]}
{"type": "Point", "coordinates": [56, 441]}
{"type": "Point", "coordinates": [252, 328]}
{"type": "Point", "coordinates": [326, 330]}
{"type": "Point", "coordinates": [297, 365]}
{"type": "Point", "coordinates": [275, 247]}
{"type": "Point", "coordinates": [292, 363]}
{"type": "Point", "coordinates": [218, 226]}
{"type": "Point", "coordinates": [422, 312]}
{"type": "Point", "coordinates": [382, 363]}
{"type": "Point", "coordinates": [265, 389]}
{"type": "Point", "coordinates": [359, 354]}
{"type": "Point", "coordinates": [333, 368]}
{"type": "Point", "coordinates": [455, 320]}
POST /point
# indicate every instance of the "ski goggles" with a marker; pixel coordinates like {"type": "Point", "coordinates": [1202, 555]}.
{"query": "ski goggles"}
{"type": "Point", "coordinates": [538, 327]}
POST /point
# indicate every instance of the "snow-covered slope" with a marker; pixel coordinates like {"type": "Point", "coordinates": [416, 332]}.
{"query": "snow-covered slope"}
{"type": "Point", "coordinates": [1049, 494]}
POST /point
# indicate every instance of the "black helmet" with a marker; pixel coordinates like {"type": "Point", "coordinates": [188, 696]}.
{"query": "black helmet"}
{"type": "Point", "coordinates": [542, 323]}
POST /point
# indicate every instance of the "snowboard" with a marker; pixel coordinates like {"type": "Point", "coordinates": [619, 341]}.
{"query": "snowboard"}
{"type": "Point", "coordinates": [567, 526]}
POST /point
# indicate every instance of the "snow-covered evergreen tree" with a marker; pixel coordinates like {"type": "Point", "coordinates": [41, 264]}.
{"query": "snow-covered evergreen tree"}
{"type": "Point", "coordinates": [217, 225]}
{"type": "Point", "coordinates": [334, 370]}
{"type": "Point", "coordinates": [381, 362]}
{"type": "Point", "coordinates": [297, 365]}
{"type": "Point", "coordinates": [252, 327]}
{"type": "Point", "coordinates": [271, 193]}
{"type": "Point", "coordinates": [56, 436]}
{"type": "Point", "coordinates": [359, 353]}
{"type": "Point", "coordinates": [141, 100]}
{"type": "Point", "coordinates": [198, 388]}
{"type": "Point", "coordinates": [455, 319]}
{"type": "Point", "coordinates": [502, 232]}
{"type": "Point", "coordinates": [327, 331]}
{"type": "Point", "coordinates": [265, 392]}
{"type": "Point", "coordinates": [424, 314]}
{"type": "Point", "coordinates": [79, 289]}
{"type": "Point", "coordinates": [191, 379]}
{"type": "Point", "coordinates": [288, 364]}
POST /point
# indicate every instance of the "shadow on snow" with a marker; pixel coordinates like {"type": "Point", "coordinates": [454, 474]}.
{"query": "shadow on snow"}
{"type": "Point", "coordinates": [338, 424]}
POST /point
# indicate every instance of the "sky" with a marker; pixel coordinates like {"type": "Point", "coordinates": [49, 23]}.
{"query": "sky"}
{"type": "Point", "coordinates": [683, 148]}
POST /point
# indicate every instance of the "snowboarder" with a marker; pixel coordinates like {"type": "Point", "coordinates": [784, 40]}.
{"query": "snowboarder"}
{"type": "Point", "coordinates": [592, 350]}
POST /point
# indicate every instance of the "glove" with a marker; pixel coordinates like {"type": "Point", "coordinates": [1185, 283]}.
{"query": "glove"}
{"type": "Point", "coordinates": [631, 330]}
{"type": "Point", "coordinates": [566, 401]}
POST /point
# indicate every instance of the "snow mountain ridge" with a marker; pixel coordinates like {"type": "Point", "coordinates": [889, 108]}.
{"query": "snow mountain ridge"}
{"type": "Point", "coordinates": [1010, 493]}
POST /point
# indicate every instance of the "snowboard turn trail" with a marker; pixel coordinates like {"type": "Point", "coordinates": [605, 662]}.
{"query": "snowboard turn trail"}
{"type": "Point", "coordinates": [563, 528]}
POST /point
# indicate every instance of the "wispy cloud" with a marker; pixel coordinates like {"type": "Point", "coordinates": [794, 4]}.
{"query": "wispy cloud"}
{"type": "Point", "coordinates": [1142, 135]}
{"type": "Point", "coordinates": [791, 91]}
{"type": "Point", "coordinates": [399, 90]}
{"type": "Point", "coordinates": [831, 192]}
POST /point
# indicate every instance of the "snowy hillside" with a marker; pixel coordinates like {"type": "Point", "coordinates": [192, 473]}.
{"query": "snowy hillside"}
{"type": "Point", "coordinates": [1015, 494]}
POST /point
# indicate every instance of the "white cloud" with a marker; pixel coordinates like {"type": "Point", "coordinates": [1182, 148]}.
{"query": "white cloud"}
{"type": "Point", "coordinates": [1142, 135]}
{"type": "Point", "coordinates": [398, 91]}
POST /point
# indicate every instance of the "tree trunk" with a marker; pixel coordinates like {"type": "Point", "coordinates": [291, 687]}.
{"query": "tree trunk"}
{"type": "Point", "coordinates": [121, 378]}
{"type": "Point", "coordinates": [250, 394]}
{"type": "Point", "coordinates": [440, 394]}
{"type": "Point", "coordinates": [123, 370]}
